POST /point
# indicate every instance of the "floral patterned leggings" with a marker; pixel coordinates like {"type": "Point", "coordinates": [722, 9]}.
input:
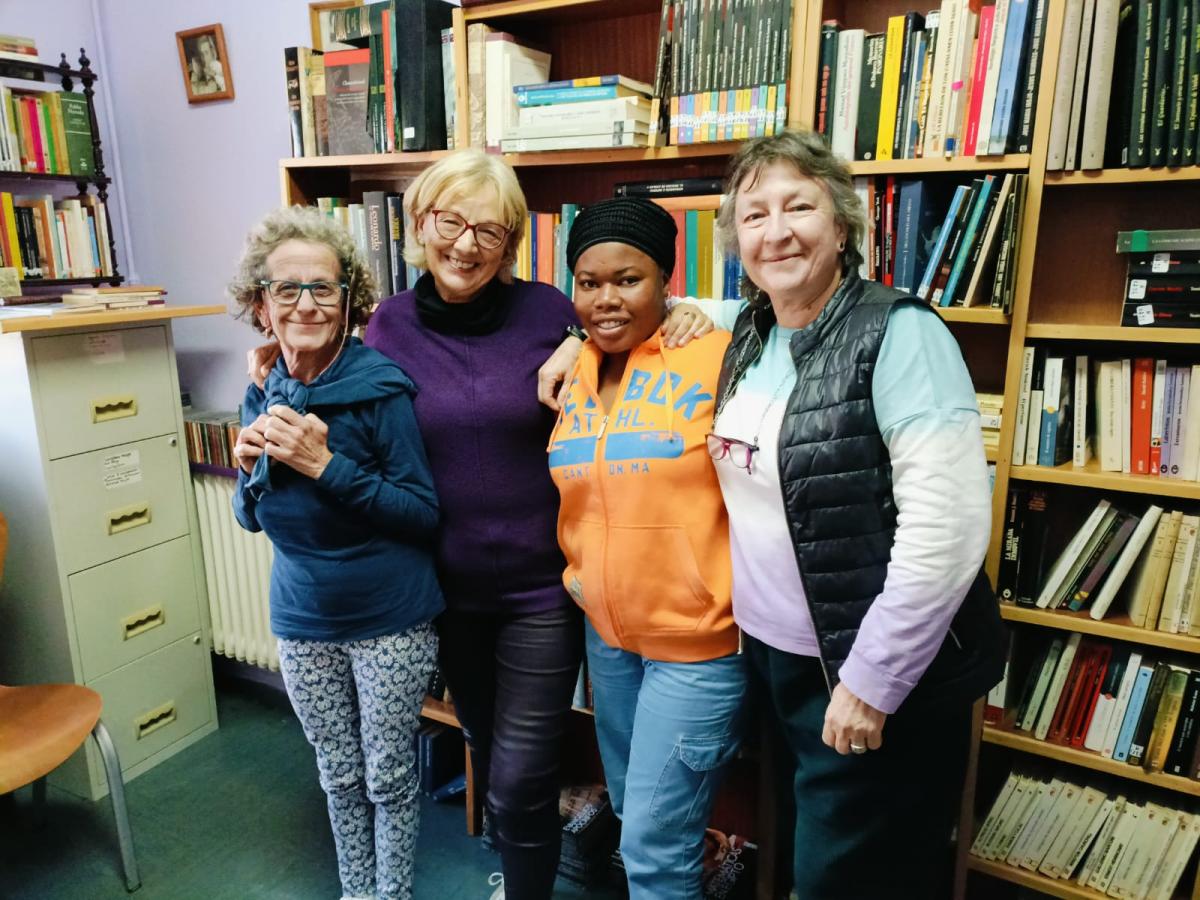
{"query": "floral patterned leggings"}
{"type": "Point", "coordinates": [359, 703]}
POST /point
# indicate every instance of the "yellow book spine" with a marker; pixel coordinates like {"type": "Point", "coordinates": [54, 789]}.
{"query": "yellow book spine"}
{"type": "Point", "coordinates": [1165, 721]}
{"type": "Point", "coordinates": [673, 136]}
{"type": "Point", "coordinates": [10, 229]}
{"type": "Point", "coordinates": [704, 253]}
{"type": "Point", "coordinates": [892, 57]}
{"type": "Point", "coordinates": [772, 99]}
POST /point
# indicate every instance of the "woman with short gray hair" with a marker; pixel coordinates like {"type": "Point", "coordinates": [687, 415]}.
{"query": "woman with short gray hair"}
{"type": "Point", "coordinates": [332, 469]}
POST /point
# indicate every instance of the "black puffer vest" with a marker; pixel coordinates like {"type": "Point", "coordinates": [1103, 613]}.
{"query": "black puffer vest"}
{"type": "Point", "coordinates": [836, 478]}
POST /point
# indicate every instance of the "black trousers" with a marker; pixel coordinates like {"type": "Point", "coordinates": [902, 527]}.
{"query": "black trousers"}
{"type": "Point", "coordinates": [512, 678]}
{"type": "Point", "coordinates": [876, 824]}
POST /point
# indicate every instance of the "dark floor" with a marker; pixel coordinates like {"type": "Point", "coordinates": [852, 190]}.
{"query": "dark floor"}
{"type": "Point", "coordinates": [237, 816]}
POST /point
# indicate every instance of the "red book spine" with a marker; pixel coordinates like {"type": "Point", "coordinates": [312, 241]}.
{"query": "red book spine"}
{"type": "Point", "coordinates": [389, 85]}
{"type": "Point", "coordinates": [545, 250]}
{"type": "Point", "coordinates": [1139, 420]}
{"type": "Point", "coordinates": [889, 230]}
{"type": "Point", "coordinates": [1067, 699]}
{"type": "Point", "coordinates": [978, 77]}
{"type": "Point", "coordinates": [1091, 694]}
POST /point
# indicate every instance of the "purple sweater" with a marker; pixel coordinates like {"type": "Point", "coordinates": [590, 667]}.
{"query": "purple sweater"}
{"type": "Point", "coordinates": [485, 434]}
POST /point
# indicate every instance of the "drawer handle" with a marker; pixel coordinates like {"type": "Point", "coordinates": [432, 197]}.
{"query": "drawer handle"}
{"type": "Point", "coordinates": [106, 409]}
{"type": "Point", "coordinates": [140, 623]}
{"type": "Point", "coordinates": [160, 717]}
{"type": "Point", "coordinates": [128, 517]}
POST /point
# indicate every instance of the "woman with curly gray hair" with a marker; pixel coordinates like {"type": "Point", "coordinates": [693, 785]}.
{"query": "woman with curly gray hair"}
{"type": "Point", "coordinates": [333, 469]}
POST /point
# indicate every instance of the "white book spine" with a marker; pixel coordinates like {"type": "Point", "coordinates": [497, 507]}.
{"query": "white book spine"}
{"type": "Point", "coordinates": [1157, 407]}
{"type": "Point", "coordinates": [1063, 563]}
{"type": "Point", "coordinates": [992, 74]}
{"type": "Point", "coordinates": [1081, 450]}
{"type": "Point", "coordinates": [1044, 678]}
{"type": "Point", "coordinates": [1108, 415]}
{"type": "Point", "coordinates": [1054, 831]}
{"type": "Point", "coordinates": [1175, 593]}
{"type": "Point", "coordinates": [993, 817]}
{"type": "Point", "coordinates": [1124, 564]}
{"type": "Point", "coordinates": [1060, 116]}
{"type": "Point", "coordinates": [1094, 739]}
{"type": "Point", "coordinates": [943, 67]}
{"type": "Point", "coordinates": [845, 102]}
{"type": "Point", "coordinates": [1033, 437]}
{"type": "Point", "coordinates": [1085, 41]}
{"type": "Point", "coordinates": [1174, 438]}
{"type": "Point", "coordinates": [1013, 818]}
{"type": "Point", "coordinates": [1054, 692]}
{"type": "Point", "coordinates": [1124, 831]}
{"type": "Point", "coordinates": [1045, 796]}
{"type": "Point", "coordinates": [1189, 469]}
{"type": "Point", "coordinates": [1103, 841]}
{"type": "Point", "coordinates": [1180, 853]}
{"type": "Point", "coordinates": [1126, 407]}
{"type": "Point", "coordinates": [1099, 818]}
{"type": "Point", "coordinates": [1100, 68]}
{"type": "Point", "coordinates": [1020, 434]}
{"type": "Point", "coordinates": [1118, 713]}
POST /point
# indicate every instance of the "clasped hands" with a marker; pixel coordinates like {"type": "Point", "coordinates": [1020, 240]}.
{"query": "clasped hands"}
{"type": "Point", "coordinates": [300, 442]}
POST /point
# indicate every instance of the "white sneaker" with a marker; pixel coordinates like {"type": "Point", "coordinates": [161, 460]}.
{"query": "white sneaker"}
{"type": "Point", "coordinates": [497, 878]}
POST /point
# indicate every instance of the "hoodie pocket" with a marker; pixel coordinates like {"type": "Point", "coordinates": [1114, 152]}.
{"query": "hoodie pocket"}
{"type": "Point", "coordinates": [653, 582]}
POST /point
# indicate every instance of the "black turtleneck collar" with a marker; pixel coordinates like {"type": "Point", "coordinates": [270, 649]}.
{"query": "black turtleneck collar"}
{"type": "Point", "coordinates": [483, 315]}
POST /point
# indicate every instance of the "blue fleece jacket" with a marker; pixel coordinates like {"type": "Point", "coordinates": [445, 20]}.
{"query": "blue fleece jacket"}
{"type": "Point", "coordinates": [353, 548]}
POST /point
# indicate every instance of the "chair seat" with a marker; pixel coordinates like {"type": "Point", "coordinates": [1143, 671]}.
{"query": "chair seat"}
{"type": "Point", "coordinates": [40, 726]}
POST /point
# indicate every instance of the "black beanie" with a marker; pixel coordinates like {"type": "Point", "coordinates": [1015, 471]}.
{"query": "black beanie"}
{"type": "Point", "coordinates": [625, 220]}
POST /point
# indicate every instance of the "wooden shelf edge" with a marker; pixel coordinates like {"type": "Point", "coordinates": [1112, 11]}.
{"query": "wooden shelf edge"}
{"type": "Point", "coordinates": [1113, 628]}
{"type": "Point", "coordinates": [511, 9]}
{"type": "Point", "coordinates": [1122, 176]}
{"type": "Point", "coordinates": [365, 160]}
{"type": "Point", "coordinates": [1064, 332]}
{"type": "Point", "coordinates": [440, 711]}
{"type": "Point", "coordinates": [973, 315]}
{"type": "Point", "coordinates": [1054, 887]}
{"type": "Point", "coordinates": [64, 321]}
{"type": "Point", "coordinates": [938, 164]}
{"type": "Point", "coordinates": [1089, 476]}
{"type": "Point", "coordinates": [1002, 737]}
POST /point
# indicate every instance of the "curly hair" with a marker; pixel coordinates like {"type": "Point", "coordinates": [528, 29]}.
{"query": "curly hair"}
{"type": "Point", "coordinates": [301, 223]}
{"type": "Point", "coordinates": [810, 156]}
{"type": "Point", "coordinates": [465, 173]}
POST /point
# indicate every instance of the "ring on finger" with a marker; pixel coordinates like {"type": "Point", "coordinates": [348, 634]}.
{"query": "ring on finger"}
{"type": "Point", "coordinates": [857, 748]}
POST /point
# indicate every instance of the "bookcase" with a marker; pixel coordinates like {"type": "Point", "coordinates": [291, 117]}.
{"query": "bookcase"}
{"type": "Point", "coordinates": [31, 76]}
{"type": "Point", "coordinates": [1068, 283]}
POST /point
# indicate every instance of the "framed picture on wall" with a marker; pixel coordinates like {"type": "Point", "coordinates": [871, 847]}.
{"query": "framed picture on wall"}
{"type": "Point", "coordinates": [205, 64]}
{"type": "Point", "coordinates": [319, 21]}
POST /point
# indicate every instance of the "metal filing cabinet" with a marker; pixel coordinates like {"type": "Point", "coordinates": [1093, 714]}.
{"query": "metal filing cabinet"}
{"type": "Point", "coordinates": [104, 582]}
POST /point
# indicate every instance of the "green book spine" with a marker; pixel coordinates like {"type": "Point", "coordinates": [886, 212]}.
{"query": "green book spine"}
{"type": "Point", "coordinates": [78, 126]}
{"type": "Point", "coordinates": [1179, 71]}
{"type": "Point", "coordinates": [692, 253]}
{"type": "Point", "coordinates": [1143, 85]}
{"type": "Point", "coordinates": [1164, 48]}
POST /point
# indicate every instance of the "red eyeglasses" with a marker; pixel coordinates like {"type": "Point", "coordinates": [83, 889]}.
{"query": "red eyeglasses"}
{"type": "Point", "coordinates": [740, 453]}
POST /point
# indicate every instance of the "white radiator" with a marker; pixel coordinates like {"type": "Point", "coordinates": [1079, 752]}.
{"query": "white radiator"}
{"type": "Point", "coordinates": [237, 566]}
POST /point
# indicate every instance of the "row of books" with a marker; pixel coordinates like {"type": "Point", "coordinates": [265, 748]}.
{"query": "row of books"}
{"type": "Point", "coordinates": [1162, 283]}
{"type": "Point", "coordinates": [45, 131]}
{"type": "Point", "coordinates": [46, 238]}
{"type": "Point", "coordinates": [210, 437]}
{"type": "Point", "coordinates": [363, 100]}
{"type": "Point", "coordinates": [377, 225]}
{"type": "Point", "coordinates": [1144, 420]}
{"type": "Point", "coordinates": [1111, 841]}
{"type": "Point", "coordinates": [1149, 561]}
{"type": "Point", "coordinates": [955, 250]}
{"type": "Point", "coordinates": [1128, 85]}
{"type": "Point", "coordinates": [441, 762]}
{"type": "Point", "coordinates": [960, 80]}
{"type": "Point", "coordinates": [991, 414]}
{"type": "Point", "coordinates": [721, 71]}
{"type": "Point", "coordinates": [1108, 699]}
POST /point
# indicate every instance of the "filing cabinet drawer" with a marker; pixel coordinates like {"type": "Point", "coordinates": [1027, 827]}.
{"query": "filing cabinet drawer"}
{"type": "Point", "coordinates": [133, 606]}
{"type": "Point", "coordinates": [103, 388]}
{"type": "Point", "coordinates": [116, 501]}
{"type": "Point", "coordinates": [151, 703]}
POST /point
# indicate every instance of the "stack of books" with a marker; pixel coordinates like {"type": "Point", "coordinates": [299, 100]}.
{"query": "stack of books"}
{"type": "Point", "coordinates": [18, 48]}
{"type": "Point", "coordinates": [991, 408]}
{"type": "Point", "coordinates": [1162, 284]}
{"type": "Point", "coordinates": [132, 295]}
{"type": "Point", "coordinates": [961, 80]}
{"type": "Point", "coordinates": [580, 113]}
{"type": "Point", "coordinates": [1103, 839]}
{"type": "Point", "coordinates": [589, 833]}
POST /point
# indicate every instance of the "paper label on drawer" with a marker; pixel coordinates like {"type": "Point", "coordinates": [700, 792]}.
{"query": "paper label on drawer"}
{"type": "Point", "coordinates": [104, 348]}
{"type": "Point", "coordinates": [122, 469]}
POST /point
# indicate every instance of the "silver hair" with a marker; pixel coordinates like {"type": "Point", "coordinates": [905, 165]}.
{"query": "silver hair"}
{"type": "Point", "coordinates": [301, 223]}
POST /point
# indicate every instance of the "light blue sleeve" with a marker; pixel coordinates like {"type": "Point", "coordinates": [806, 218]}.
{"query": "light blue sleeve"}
{"type": "Point", "coordinates": [724, 313]}
{"type": "Point", "coordinates": [920, 369]}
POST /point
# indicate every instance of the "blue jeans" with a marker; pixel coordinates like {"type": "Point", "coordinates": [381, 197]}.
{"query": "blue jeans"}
{"type": "Point", "coordinates": [666, 731]}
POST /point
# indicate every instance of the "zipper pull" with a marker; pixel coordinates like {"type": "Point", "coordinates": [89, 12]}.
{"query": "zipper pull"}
{"type": "Point", "coordinates": [603, 425]}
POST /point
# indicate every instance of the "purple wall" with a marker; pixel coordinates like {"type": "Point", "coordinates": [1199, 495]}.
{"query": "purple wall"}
{"type": "Point", "coordinates": [193, 179]}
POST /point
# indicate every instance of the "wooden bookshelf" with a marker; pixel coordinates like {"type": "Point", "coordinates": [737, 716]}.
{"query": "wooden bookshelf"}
{"type": "Point", "coordinates": [1116, 627]}
{"type": "Point", "coordinates": [560, 10]}
{"type": "Point", "coordinates": [1090, 476]}
{"type": "Point", "coordinates": [440, 711]}
{"type": "Point", "coordinates": [976, 315]}
{"type": "Point", "coordinates": [1014, 740]}
{"type": "Point", "coordinates": [1112, 333]}
{"type": "Point", "coordinates": [1122, 176]}
{"type": "Point", "coordinates": [940, 166]}
{"type": "Point", "coordinates": [1053, 887]}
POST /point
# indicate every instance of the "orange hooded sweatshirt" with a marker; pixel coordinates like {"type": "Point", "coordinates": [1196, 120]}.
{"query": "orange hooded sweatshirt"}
{"type": "Point", "coordinates": [642, 522]}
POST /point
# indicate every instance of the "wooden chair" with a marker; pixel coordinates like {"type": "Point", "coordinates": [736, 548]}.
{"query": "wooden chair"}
{"type": "Point", "coordinates": [42, 725]}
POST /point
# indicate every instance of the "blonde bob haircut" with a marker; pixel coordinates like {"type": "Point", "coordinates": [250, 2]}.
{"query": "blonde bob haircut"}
{"type": "Point", "coordinates": [465, 173]}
